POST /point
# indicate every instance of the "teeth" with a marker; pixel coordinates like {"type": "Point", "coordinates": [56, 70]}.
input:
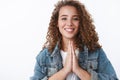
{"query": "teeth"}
{"type": "Point", "coordinates": [69, 29]}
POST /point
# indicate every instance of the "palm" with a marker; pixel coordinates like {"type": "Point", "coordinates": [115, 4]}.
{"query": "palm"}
{"type": "Point", "coordinates": [71, 63]}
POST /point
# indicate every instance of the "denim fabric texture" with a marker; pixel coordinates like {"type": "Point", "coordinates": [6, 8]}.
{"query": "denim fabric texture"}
{"type": "Point", "coordinates": [96, 63]}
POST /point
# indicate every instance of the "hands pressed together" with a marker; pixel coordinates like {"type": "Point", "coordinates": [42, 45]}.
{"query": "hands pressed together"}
{"type": "Point", "coordinates": [71, 63]}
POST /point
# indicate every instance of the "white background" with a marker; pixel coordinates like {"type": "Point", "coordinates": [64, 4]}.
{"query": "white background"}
{"type": "Point", "coordinates": [23, 27]}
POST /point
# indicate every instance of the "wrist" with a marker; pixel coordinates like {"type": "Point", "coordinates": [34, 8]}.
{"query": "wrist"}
{"type": "Point", "coordinates": [77, 70]}
{"type": "Point", "coordinates": [65, 72]}
{"type": "Point", "coordinates": [83, 74]}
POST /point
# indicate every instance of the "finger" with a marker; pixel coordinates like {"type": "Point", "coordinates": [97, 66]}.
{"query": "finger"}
{"type": "Point", "coordinates": [69, 47]}
{"type": "Point", "coordinates": [73, 52]}
{"type": "Point", "coordinates": [72, 48]}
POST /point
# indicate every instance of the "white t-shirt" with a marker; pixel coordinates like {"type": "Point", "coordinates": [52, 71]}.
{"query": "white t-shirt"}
{"type": "Point", "coordinates": [71, 76]}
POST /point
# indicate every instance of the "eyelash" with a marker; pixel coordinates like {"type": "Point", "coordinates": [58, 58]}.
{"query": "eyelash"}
{"type": "Point", "coordinates": [76, 19]}
{"type": "Point", "coordinates": [64, 18]}
{"type": "Point", "coordinates": [73, 19]}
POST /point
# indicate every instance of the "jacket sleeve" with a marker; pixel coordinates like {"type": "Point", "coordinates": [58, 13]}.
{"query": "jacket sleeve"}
{"type": "Point", "coordinates": [105, 69]}
{"type": "Point", "coordinates": [40, 70]}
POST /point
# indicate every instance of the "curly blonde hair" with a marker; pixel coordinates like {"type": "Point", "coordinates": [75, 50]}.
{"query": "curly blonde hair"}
{"type": "Point", "coordinates": [86, 36]}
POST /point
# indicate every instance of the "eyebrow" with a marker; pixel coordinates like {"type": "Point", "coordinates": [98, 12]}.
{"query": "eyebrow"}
{"type": "Point", "coordinates": [63, 15]}
{"type": "Point", "coordinates": [67, 15]}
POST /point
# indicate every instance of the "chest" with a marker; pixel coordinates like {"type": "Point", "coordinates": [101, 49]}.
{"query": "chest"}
{"type": "Point", "coordinates": [85, 61]}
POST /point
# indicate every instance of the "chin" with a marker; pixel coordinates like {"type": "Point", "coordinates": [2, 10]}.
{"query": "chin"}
{"type": "Point", "coordinates": [70, 37]}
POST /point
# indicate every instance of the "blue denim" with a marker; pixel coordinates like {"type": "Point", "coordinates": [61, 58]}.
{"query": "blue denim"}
{"type": "Point", "coordinates": [96, 63]}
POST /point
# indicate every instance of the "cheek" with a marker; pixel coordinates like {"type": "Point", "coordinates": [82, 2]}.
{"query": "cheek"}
{"type": "Point", "coordinates": [77, 24]}
{"type": "Point", "coordinates": [61, 24]}
{"type": "Point", "coordinates": [59, 27]}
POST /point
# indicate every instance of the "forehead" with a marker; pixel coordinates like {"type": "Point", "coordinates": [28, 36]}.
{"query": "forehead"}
{"type": "Point", "coordinates": [68, 10]}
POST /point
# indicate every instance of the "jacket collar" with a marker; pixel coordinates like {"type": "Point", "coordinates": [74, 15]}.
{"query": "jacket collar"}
{"type": "Point", "coordinates": [55, 51]}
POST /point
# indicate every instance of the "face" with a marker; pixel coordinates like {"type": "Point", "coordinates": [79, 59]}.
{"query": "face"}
{"type": "Point", "coordinates": [68, 22]}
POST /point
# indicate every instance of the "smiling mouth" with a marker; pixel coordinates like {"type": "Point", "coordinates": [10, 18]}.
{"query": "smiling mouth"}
{"type": "Point", "coordinates": [69, 29]}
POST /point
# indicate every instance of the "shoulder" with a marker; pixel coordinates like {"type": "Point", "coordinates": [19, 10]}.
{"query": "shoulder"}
{"type": "Point", "coordinates": [41, 57]}
{"type": "Point", "coordinates": [102, 57]}
{"type": "Point", "coordinates": [99, 53]}
{"type": "Point", "coordinates": [43, 52]}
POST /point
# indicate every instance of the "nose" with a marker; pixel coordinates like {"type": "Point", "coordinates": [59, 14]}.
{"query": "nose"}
{"type": "Point", "coordinates": [69, 23]}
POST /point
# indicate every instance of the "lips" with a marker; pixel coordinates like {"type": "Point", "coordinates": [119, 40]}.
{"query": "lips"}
{"type": "Point", "coordinates": [69, 29]}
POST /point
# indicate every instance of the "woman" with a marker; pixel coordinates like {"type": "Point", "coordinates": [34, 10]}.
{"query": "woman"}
{"type": "Point", "coordinates": [72, 51]}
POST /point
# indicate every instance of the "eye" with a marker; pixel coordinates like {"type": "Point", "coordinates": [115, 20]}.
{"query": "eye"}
{"type": "Point", "coordinates": [63, 18]}
{"type": "Point", "coordinates": [76, 18]}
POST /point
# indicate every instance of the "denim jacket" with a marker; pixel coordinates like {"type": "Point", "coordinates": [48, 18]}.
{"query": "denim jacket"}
{"type": "Point", "coordinates": [96, 63]}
